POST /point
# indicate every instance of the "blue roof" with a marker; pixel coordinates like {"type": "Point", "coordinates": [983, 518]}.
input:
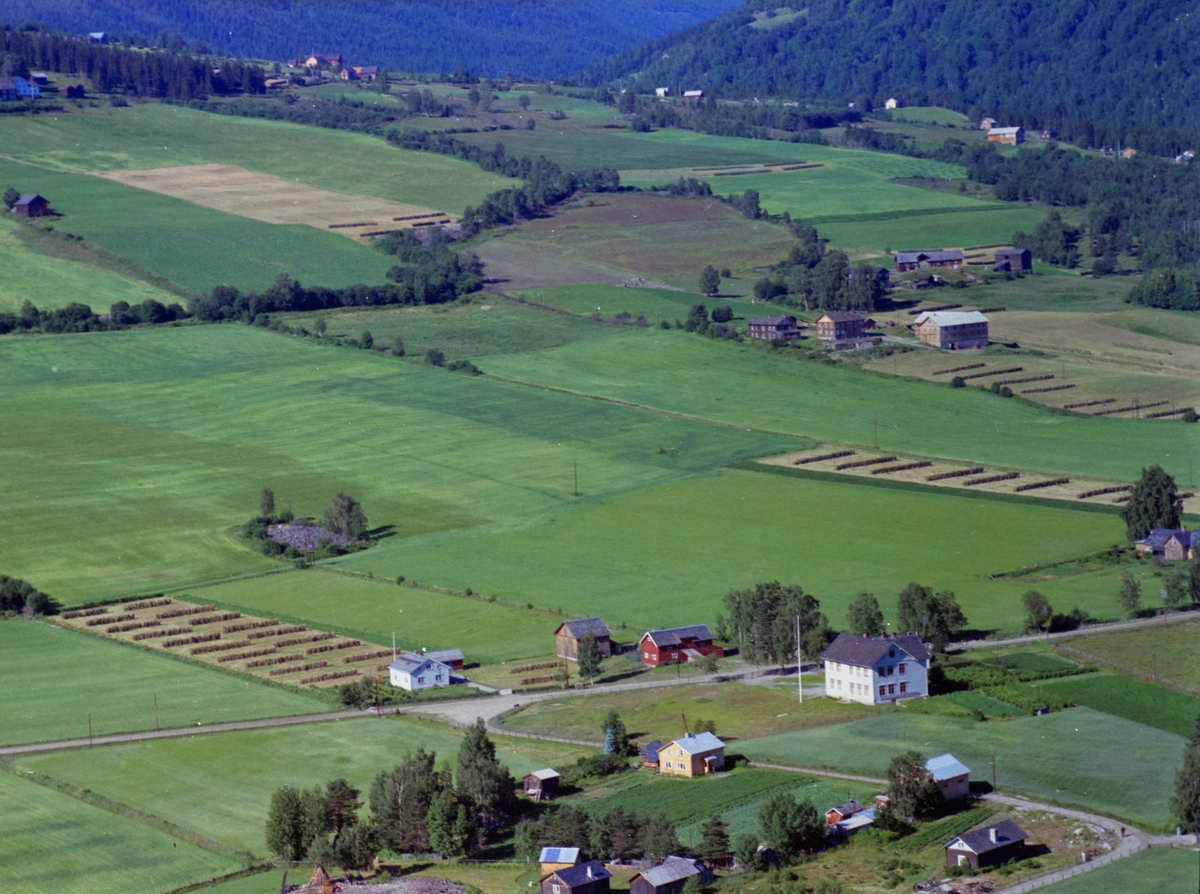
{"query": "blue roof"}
{"type": "Point", "coordinates": [1158, 537]}
{"type": "Point", "coordinates": [559, 855]}
{"type": "Point", "coordinates": [650, 750]}
{"type": "Point", "coordinates": [698, 743]}
{"type": "Point", "coordinates": [946, 766]}
{"type": "Point", "coordinates": [583, 873]}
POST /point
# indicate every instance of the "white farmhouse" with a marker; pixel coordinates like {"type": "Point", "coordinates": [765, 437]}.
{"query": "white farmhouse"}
{"type": "Point", "coordinates": [875, 670]}
{"type": "Point", "coordinates": [415, 672]}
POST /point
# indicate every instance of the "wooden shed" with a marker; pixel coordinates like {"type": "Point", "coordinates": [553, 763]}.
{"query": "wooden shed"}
{"type": "Point", "coordinates": [669, 876]}
{"type": "Point", "coordinates": [32, 205]}
{"type": "Point", "coordinates": [570, 634]}
{"type": "Point", "coordinates": [541, 785]}
{"type": "Point", "coordinates": [990, 846]}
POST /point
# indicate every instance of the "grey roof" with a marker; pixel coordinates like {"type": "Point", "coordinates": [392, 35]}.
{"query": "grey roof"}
{"type": "Point", "coordinates": [445, 656]}
{"type": "Point", "coordinates": [980, 841]}
{"type": "Point", "coordinates": [559, 855]}
{"type": "Point", "coordinates": [951, 317]}
{"type": "Point", "coordinates": [412, 662]}
{"type": "Point", "coordinates": [847, 809]}
{"type": "Point", "coordinates": [674, 636]}
{"type": "Point", "coordinates": [867, 651]}
{"type": "Point", "coordinates": [29, 199]}
{"type": "Point", "coordinates": [672, 869]}
{"type": "Point", "coordinates": [547, 773]}
{"type": "Point", "coordinates": [939, 254]}
{"type": "Point", "coordinates": [699, 743]}
{"type": "Point", "coordinates": [1006, 131]}
{"type": "Point", "coordinates": [946, 766]}
{"type": "Point", "coordinates": [787, 319]}
{"type": "Point", "coordinates": [1011, 252]}
{"type": "Point", "coordinates": [581, 628]}
{"type": "Point", "coordinates": [8, 84]}
{"type": "Point", "coordinates": [842, 316]}
{"type": "Point", "coordinates": [1158, 537]}
{"type": "Point", "coordinates": [650, 750]}
{"type": "Point", "coordinates": [577, 875]}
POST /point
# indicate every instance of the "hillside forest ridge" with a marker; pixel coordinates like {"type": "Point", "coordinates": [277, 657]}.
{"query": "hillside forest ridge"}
{"type": "Point", "coordinates": [633, 447]}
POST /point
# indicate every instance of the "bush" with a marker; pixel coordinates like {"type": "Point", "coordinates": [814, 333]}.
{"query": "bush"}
{"type": "Point", "coordinates": [435, 357]}
{"type": "Point", "coordinates": [958, 382]}
{"type": "Point", "coordinates": [463, 366]}
{"type": "Point", "coordinates": [722, 314]}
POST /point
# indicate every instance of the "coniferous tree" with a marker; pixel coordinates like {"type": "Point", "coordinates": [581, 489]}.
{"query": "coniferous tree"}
{"type": "Point", "coordinates": [399, 799]}
{"type": "Point", "coordinates": [483, 783]}
{"type": "Point", "coordinates": [589, 657]}
{"type": "Point", "coordinates": [266, 503]}
{"type": "Point", "coordinates": [616, 737]}
{"type": "Point", "coordinates": [714, 842]}
{"type": "Point", "coordinates": [449, 824]}
{"type": "Point", "coordinates": [1152, 504]}
{"type": "Point", "coordinates": [659, 838]}
{"type": "Point", "coordinates": [1185, 803]}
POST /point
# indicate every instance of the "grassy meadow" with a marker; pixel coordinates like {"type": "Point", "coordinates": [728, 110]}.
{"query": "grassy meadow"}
{"type": "Point", "coordinates": [608, 301]}
{"type": "Point", "coordinates": [1168, 652]}
{"type": "Point", "coordinates": [1157, 706]}
{"type": "Point", "coordinates": [1077, 757]}
{"type": "Point", "coordinates": [143, 450]}
{"type": "Point", "coordinates": [175, 778]}
{"type": "Point", "coordinates": [1162, 869]}
{"type": "Point", "coordinates": [689, 542]}
{"type": "Point", "coordinates": [51, 842]}
{"type": "Point", "coordinates": [739, 385]}
{"type": "Point", "coordinates": [117, 685]}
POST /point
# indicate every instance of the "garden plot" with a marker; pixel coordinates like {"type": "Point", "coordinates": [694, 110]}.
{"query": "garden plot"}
{"type": "Point", "coordinates": [265, 647]}
{"type": "Point", "coordinates": [275, 200]}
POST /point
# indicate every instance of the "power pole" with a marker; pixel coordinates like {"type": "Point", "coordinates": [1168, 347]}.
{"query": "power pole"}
{"type": "Point", "coordinates": [799, 663]}
{"type": "Point", "coordinates": [576, 477]}
{"type": "Point", "coordinates": [156, 712]}
{"type": "Point", "coordinates": [393, 645]}
{"type": "Point", "coordinates": [994, 770]}
{"type": "Point", "coordinates": [89, 731]}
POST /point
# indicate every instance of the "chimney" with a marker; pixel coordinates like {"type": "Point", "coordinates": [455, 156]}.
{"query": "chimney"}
{"type": "Point", "coordinates": [991, 835]}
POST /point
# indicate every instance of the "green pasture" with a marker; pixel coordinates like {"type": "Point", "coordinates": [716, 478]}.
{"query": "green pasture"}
{"type": "Point", "coordinates": [50, 283]}
{"type": "Point", "coordinates": [1173, 325]}
{"type": "Point", "coordinates": [1053, 288]}
{"type": "Point", "coordinates": [1167, 651]}
{"type": "Point", "coordinates": [140, 452]}
{"type": "Point", "coordinates": [194, 247]}
{"type": "Point", "coordinates": [456, 330]}
{"type": "Point", "coordinates": [738, 385]}
{"type": "Point", "coordinates": [51, 842]}
{"type": "Point", "coordinates": [1079, 756]}
{"type": "Point", "coordinates": [220, 785]}
{"type": "Point", "coordinates": [689, 542]}
{"type": "Point", "coordinates": [608, 301]}
{"type": "Point", "coordinates": [375, 609]}
{"type": "Point", "coordinates": [156, 135]}
{"type": "Point", "coordinates": [117, 684]}
{"type": "Point", "coordinates": [1157, 706]}
{"type": "Point", "coordinates": [1161, 869]}
{"type": "Point", "coordinates": [986, 224]}
{"type": "Point", "coordinates": [930, 115]}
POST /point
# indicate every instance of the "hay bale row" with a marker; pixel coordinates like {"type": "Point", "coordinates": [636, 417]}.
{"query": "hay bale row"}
{"type": "Point", "coordinates": [420, 216]}
{"type": "Point", "coordinates": [995, 372]}
{"type": "Point", "coordinates": [1089, 403]}
{"type": "Point", "coordinates": [366, 656]}
{"type": "Point", "coordinates": [188, 640]}
{"type": "Point", "coordinates": [155, 634]}
{"type": "Point", "coordinates": [865, 462]}
{"type": "Point", "coordinates": [1034, 485]}
{"type": "Point", "coordinates": [239, 656]}
{"type": "Point", "coordinates": [213, 619]}
{"type": "Point", "coordinates": [362, 223]}
{"type": "Point", "coordinates": [1044, 390]}
{"type": "Point", "coordinates": [322, 678]}
{"type": "Point", "coordinates": [274, 659]}
{"type": "Point", "coordinates": [1131, 408]}
{"type": "Point", "coordinates": [310, 638]}
{"type": "Point", "coordinates": [942, 476]}
{"type": "Point", "coordinates": [903, 467]}
{"type": "Point", "coordinates": [957, 369]}
{"type": "Point", "coordinates": [1006, 476]}
{"type": "Point", "coordinates": [313, 665]}
{"type": "Point", "coordinates": [181, 612]}
{"type": "Point", "coordinates": [249, 625]}
{"type": "Point", "coordinates": [146, 603]}
{"type": "Point", "coordinates": [220, 647]}
{"type": "Point", "coordinates": [333, 647]}
{"type": "Point", "coordinates": [83, 613]}
{"type": "Point", "coordinates": [525, 668]}
{"type": "Point", "coordinates": [533, 681]}
{"type": "Point", "coordinates": [1027, 379]}
{"type": "Point", "coordinates": [115, 619]}
{"type": "Point", "coordinates": [136, 625]}
{"type": "Point", "coordinates": [805, 460]}
{"type": "Point", "coordinates": [278, 631]}
{"type": "Point", "coordinates": [1100, 491]}
{"type": "Point", "coordinates": [1174, 412]}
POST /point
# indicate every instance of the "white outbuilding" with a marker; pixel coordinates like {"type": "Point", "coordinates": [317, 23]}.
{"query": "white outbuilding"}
{"type": "Point", "coordinates": [414, 672]}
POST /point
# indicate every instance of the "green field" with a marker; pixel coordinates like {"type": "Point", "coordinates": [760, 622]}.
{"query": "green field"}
{"type": "Point", "coordinates": [116, 685]}
{"type": "Point", "coordinates": [608, 301]}
{"type": "Point", "coordinates": [50, 283]}
{"type": "Point", "coordinates": [1162, 869]}
{"type": "Point", "coordinates": [156, 135]}
{"type": "Point", "coordinates": [930, 115]}
{"type": "Point", "coordinates": [51, 842]}
{"type": "Point", "coordinates": [1079, 757]}
{"type": "Point", "coordinates": [374, 610]}
{"type": "Point", "coordinates": [740, 386]}
{"type": "Point", "coordinates": [1168, 651]}
{"type": "Point", "coordinates": [1134, 700]}
{"type": "Point", "coordinates": [141, 450]}
{"type": "Point", "coordinates": [986, 225]}
{"type": "Point", "coordinates": [177, 778]}
{"type": "Point", "coordinates": [196, 248]}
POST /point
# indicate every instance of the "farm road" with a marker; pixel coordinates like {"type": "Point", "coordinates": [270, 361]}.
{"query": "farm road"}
{"type": "Point", "coordinates": [1181, 617]}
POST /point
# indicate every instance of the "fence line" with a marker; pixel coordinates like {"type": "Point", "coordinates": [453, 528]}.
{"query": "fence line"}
{"type": "Point", "coordinates": [1132, 671]}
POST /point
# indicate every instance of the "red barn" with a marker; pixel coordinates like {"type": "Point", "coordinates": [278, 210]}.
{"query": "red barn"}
{"type": "Point", "coordinates": [678, 644]}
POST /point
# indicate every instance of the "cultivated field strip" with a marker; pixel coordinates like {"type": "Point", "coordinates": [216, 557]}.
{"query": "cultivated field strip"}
{"type": "Point", "coordinates": [260, 646]}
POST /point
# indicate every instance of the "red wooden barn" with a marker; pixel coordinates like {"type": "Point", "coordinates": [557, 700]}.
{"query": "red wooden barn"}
{"type": "Point", "coordinates": [678, 644]}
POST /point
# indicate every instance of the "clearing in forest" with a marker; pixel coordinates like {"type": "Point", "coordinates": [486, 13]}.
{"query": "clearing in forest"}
{"type": "Point", "coordinates": [275, 200]}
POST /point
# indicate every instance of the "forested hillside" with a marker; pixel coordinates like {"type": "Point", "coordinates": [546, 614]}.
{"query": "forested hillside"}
{"type": "Point", "coordinates": [531, 38]}
{"type": "Point", "coordinates": [1099, 71]}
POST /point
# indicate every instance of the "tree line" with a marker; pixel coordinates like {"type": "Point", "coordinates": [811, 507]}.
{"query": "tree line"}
{"type": "Point", "coordinates": [76, 317]}
{"type": "Point", "coordinates": [18, 595]}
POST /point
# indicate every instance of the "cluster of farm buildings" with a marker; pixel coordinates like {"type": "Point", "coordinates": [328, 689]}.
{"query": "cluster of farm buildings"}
{"type": "Point", "coordinates": [949, 330]}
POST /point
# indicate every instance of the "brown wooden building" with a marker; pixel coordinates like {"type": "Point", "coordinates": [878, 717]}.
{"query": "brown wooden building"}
{"type": "Point", "coordinates": [952, 330]}
{"type": "Point", "coordinates": [668, 877]}
{"type": "Point", "coordinates": [32, 206]}
{"type": "Point", "coordinates": [771, 328]}
{"type": "Point", "coordinates": [991, 846]}
{"type": "Point", "coordinates": [541, 785]}
{"type": "Point", "coordinates": [950, 258]}
{"type": "Point", "coordinates": [570, 633]}
{"type": "Point", "coordinates": [1015, 259]}
{"type": "Point", "coordinates": [839, 325]}
{"type": "Point", "coordinates": [586, 878]}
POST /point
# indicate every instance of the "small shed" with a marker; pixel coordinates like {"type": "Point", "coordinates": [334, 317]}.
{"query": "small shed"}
{"type": "Point", "coordinates": [990, 846]}
{"type": "Point", "coordinates": [669, 876]}
{"type": "Point", "coordinates": [987, 123]}
{"type": "Point", "coordinates": [835, 815]}
{"type": "Point", "coordinates": [649, 754]}
{"type": "Point", "coordinates": [586, 878]}
{"type": "Point", "coordinates": [1014, 259]}
{"type": "Point", "coordinates": [552, 859]}
{"type": "Point", "coordinates": [541, 785]}
{"type": "Point", "coordinates": [570, 634]}
{"type": "Point", "coordinates": [32, 205]}
{"type": "Point", "coordinates": [951, 775]}
{"type": "Point", "coordinates": [892, 103]}
{"type": "Point", "coordinates": [661, 92]}
{"type": "Point", "coordinates": [452, 658]}
{"type": "Point", "coordinates": [693, 94]}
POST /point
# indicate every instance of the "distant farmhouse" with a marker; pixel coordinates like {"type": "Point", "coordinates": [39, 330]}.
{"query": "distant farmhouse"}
{"type": "Point", "coordinates": [698, 755]}
{"type": "Point", "coordinates": [693, 94]}
{"type": "Point", "coordinates": [874, 670]}
{"type": "Point", "coordinates": [415, 672]}
{"type": "Point", "coordinates": [892, 103]}
{"type": "Point", "coordinates": [1008, 136]}
{"type": "Point", "coordinates": [992, 846]}
{"type": "Point", "coordinates": [669, 876]}
{"type": "Point", "coordinates": [32, 205]}
{"type": "Point", "coordinates": [1015, 260]}
{"type": "Point", "coordinates": [952, 330]}
{"type": "Point", "coordinates": [571, 633]}
{"type": "Point", "coordinates": [951, 775]}
{"type": "Point", "coordinates": [951, 259]}
{"type": "Point", "coordinates": [360, 73]}
{"type": "Point", "coordinates": [841, 325]}
{"type": "Point", "coordinates": [771, 328]}
{"type": "Point", "coordinates": [98, 37]}
{"type": "Point", "coordinates": [585, 878]}
{"type": "Point", "coordinates": [678, 644]}
{"type": "Point", "coordinates": [14, 89]}
{"type": "Point", "coordinates": [323, 60]}
{"type": "Point", "coordinates": [1172, 545]}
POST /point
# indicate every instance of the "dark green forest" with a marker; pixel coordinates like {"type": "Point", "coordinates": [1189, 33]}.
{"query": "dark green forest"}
{"type": "Point", "coordinates": [530, 38]}
{"type": "Point", "coordinates": [1100, 72]}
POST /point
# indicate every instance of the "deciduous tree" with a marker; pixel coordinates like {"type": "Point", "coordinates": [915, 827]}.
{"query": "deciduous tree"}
{"type": "Point", "coordinates": [762, 621]}
{"type": "Point", "coordinates": [1130, 594]}
{"type": "Point", "coordinates": [1152, 504]}
{"type": "Point", "coordinates": [710, 280]}
{"type": "Point", "coordinates": [11, 197]}
{"type": "Point", "coordinates": [1185, 803]}
{"type": "Point", "coordinates": [911, 790]}
{"type": "Point", "coordinates": [345, 516]}
{"type": "Point", "coordinates": [791, 827]}
{"type": "Point", "coordinates": [449, 824]}
{"type": "Point", "coordinates": [1038, 612]}
{"type": "Point", "coordinates": [266, 503]}
{"type": "Point", "coordinates": [589, 657]}
{"type": "Point", "coordinates": [864, 616]}
{"type": "Point", "coordinates": [935, 618]}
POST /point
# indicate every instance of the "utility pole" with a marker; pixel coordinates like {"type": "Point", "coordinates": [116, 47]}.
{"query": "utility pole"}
{"type": "Point", "coordinates": [799, 663]}
{"type": "Point", "coordinates": [576, 477]}
{"type": "Point", "coordinates": [393, 645]}
{"type": "Point", "coordinates": [994, 770]}
{"type": "Point", "coordinates": [156, 712]}
{"type": "Point", "coordinates": [89, 731]}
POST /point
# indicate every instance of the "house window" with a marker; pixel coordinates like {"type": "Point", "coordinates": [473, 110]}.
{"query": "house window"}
{"type": "Point", "coordinates": [901, 668]}
{"type": "Point", "coordinates": [882, 690]}
{"type": "Point", "coordinates": [903, 688]}
{"type": "Point", "coordinates": [891, 688]}
{"type": "Point", "coordinates": [645, 654]}
{"type": "Point", "coordinates": [556, 888]}
{"type": "Point", "coordinates": [668, 765]}
{"type": "Point", "coordinates": [420, 679]}
{"type": "Point", "coordinates": [891, 670]}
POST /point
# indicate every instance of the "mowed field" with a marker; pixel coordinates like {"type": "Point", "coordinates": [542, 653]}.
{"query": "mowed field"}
{"type": "Point", "coordinates": [51, 283]}
{"type": "Point", "coordinates": [609, 301]}
{"type": "Point", "coordinates": [51, 842]}
{"type": "Point", "coordinates": [117, 684]}
{"type": "Point", "coordinates": [739, 385]}
{"type": "Point", "coordinates": [1168, 652]}
{"type": "Point", "coordinates": [1162, 869]}
{"type": "Point", "coordinates": [175, 778]}
{"type": "Point", "coordinates": [1078, 757]}
{"type": "Point", "coordinates": [689, 542]}
{"type": "Point", "coordinates": [1157, 706]}
{"type": "Point", "coordinates": [142, 451]}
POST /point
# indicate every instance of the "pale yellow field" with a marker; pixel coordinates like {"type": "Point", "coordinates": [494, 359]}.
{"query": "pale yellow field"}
{"type": "Point", "coordinates": [275, 200]}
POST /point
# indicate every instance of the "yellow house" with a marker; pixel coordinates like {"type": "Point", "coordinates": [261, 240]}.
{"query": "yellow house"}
{"type": "Point", "coordinates": [692, 756]}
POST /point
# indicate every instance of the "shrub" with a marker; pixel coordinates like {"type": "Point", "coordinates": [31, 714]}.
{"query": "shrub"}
{"type": "Point", "coordinates": [722, 314]}
{"type": "Point", "coordinates": [958, 382]}
{"type": "Point", "coordinates": [434, 357]}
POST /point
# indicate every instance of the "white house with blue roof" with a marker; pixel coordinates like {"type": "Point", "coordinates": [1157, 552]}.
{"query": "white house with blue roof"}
{"type": "Point", "coordinates": [414, 672]}
{"type": "Point", "coordinates": [951, 775]}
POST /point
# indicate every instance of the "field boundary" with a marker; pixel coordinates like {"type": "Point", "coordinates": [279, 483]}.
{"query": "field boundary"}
{"type": "Point", "coordinates": [1129, 671]}
{"type": "Point", "coordinates": [897, 215]}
